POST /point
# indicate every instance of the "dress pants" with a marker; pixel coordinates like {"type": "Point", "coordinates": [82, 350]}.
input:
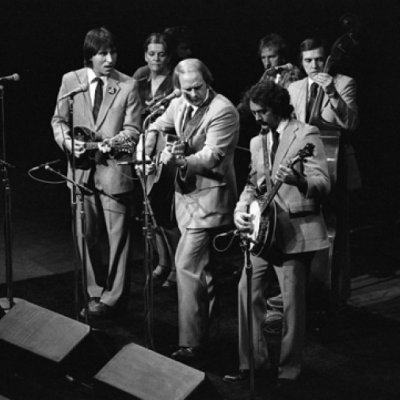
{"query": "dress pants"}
{"type": "Point", "coordinates": [196, 294]}
{"type": "Point", "coordinates": [107, 243]}
{"type": "Point", "coordinates": [292, 276]}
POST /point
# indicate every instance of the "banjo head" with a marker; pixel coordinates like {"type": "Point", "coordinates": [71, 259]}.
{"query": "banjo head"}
{"type": "Point", "coordinates": [263, 227]}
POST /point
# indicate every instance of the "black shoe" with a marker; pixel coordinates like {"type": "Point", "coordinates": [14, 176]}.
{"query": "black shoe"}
{"type": "Point", "coordinates": [186, 354]}
{"type": "Point", "coordinates": [91, 303]}
{"type": "Point", "coordinates": [100, 310]}
{"type": "Point", "coordinates": [242, 375]}
{"type": "Point", "coordinates": [160, 274]}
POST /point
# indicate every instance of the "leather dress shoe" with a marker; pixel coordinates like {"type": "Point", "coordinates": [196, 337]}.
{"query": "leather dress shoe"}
{"type": "Point", "coordinates": [160, 273]}
{"type": "Point", "coordinates": [98, 309]}
{"type": "Point", "coordinates": [91, 304]}
{"type": "Point", "coordinates": [242, 375]}
{"type": "Point", "coordinates": [185, 354]}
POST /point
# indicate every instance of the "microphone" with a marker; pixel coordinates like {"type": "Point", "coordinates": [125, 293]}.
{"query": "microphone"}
{"type": "Point", "coordinates": [44, 165]}
{"type": "Point", "coordinates": [13, 77]}
{"type": "Point", "coordinates": [83, 87]}
{"type": "Point", "coordinates": [166, 99]}
{"type": "Point", "coordinates": [279, 68]}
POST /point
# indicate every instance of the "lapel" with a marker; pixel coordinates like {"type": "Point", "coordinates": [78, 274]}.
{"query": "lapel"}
{"type": "Point", "coordinates": [82, 78]}
{"type": "Point", "coordinates": [286, 139]}
{"type": "Point", "coordinates": [110, 93]}
{"type": "Point", "coordinates": [302, 99]}
{"type": "Point", "coordinates": [260, 160]}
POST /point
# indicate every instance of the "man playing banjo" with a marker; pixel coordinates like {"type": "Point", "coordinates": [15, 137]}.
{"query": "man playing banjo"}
{"type": "Point", "coordinates": [299, 230]}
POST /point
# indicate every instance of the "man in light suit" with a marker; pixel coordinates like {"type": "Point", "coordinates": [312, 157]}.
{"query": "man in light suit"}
{"type": "Point", "coordinates": [338, 110]}
{"type": "Point", "coordinates": [205, 194]}
{"type": "Point", "coordinates": [300, 228]}
{"type": "Point", "coordinates": [107, 104]}
{"type": "Point", "coordinates": [339, 105]}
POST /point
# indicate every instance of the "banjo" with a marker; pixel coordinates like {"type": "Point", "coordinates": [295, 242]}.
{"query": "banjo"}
{"type": "Point", "coordinates": [263, 211]}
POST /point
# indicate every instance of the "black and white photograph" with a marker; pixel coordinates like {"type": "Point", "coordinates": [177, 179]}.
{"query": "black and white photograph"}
{"type": "Point", "coordinates": [198, 200]}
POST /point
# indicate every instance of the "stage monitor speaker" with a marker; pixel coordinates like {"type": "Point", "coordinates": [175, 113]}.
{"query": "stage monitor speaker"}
{"type": "Point", "coordinates": [33, 336]}
{"type": "Point", "coordinates": [138, 373]}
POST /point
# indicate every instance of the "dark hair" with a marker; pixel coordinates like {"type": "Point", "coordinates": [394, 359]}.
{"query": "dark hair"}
{"type": "Point", "coordinates": [95, 40]}
{"type": "Point", "coordinates": [159, 38]}
{"type": "Point", "coordinates": [311, 44]}
{"type": "Point", "coordinates": [191, 64]}
{"type": "Point", "coordinates": [268, 94]}
{"type": "Point", "coordinates": [276, 41]}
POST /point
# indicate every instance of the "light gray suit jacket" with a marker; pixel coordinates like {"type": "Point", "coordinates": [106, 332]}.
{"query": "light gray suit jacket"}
{"type": "Point", "coordinates": [206, 193]}
{"type": "Point", "coordinates": [345, 115]}
{"type": "Point", "coordinates": [300, 225]}
{"type": "Point", "coordinates": [119, 114]}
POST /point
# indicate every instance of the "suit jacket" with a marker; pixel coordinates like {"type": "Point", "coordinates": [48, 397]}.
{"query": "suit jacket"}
{"type": "Point", "coordinates": [206, 192]}
{"type": "Point", "coordinates": [119, 114]}
{"type": "Point", "coordinates": [300, 225]}
{"type": "Point", "coordinates": [345, 115]}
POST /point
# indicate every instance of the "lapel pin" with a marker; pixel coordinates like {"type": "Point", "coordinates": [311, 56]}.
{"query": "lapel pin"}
{"type": "Point", "coordinates": [111, 90]}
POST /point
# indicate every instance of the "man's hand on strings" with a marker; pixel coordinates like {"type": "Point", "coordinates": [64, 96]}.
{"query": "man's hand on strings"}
{"type": "Point", "coordinates": [173, 154]}
{"type": "Point", "coordinates": [105, 146]}
{"type": "Point", "coordinates": [243, 221]}
{"type": "Point", "coordinates": [79, 147]}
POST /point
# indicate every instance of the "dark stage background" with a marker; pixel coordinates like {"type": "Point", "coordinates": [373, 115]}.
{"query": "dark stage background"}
{"type": "Point", "coordinates": [42, 39]}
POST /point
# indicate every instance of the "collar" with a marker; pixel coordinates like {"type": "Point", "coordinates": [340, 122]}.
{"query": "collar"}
{"type": "Point", "coordinates": [92, 76]}
{"type": "Point", "coordinates": [282, 126]}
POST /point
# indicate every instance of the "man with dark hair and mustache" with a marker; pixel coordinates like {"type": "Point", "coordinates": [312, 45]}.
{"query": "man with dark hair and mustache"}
{"type": "Point", "coordinates": [110, 110]}
{"type": "Point", "coordinates": [300, 228]}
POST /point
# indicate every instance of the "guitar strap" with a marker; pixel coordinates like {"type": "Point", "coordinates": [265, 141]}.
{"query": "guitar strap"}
{"type": "Point", "coordinates": [267, 167]}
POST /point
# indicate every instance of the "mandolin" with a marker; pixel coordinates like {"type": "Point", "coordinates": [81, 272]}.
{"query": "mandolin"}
{"type": "Point", "coordinates": [119, 147]}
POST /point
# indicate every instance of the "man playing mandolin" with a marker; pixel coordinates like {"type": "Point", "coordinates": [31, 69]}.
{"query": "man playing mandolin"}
{"type": "Point", "coordinates": [298, 189]}
{"type": "Point", "coordinates": [106, 103]}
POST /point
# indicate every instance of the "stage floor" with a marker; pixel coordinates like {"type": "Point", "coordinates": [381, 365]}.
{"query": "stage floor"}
{"type": "Point", "coordinates": [351, 354]}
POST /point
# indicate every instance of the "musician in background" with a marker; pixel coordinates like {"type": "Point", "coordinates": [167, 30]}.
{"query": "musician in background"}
{"type": "Point", "coordinates": [273, 51]}
{"type": "Point", "coordinates": [205, 192]}
{"type": "Point", "coordinates": [338, 109]}
{"type": "Point", "coordinates": [157, 81]}
{"type": "Point", "coordinates": [179, 40]}
{"type": "Point", "coordinates": [274, 55]}
{"type": "Point", "coordinates": [300, 228]}
{"type": "Point", "coordinates": [152, 87]}
{"type": "Point", "coordinates": [110, 108]}
{"type": "Point", "coordinates": [339, 101]}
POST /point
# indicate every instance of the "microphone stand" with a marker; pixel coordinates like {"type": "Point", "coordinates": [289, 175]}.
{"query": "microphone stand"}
{"type": "Point", "coordinates": [82, 190]}
{"type": "Point", "coordinates": [6, 190]}
{"type": "Point", "coordinates": [82, 258]}
{"type": "Point", "coordinates": [245, 246]}
{"type": "Point", "coordinates": [148, 231]}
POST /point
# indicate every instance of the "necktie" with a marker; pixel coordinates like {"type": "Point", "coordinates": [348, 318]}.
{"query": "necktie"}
{"type": "Point", "coordinates": [311, 99]}
{"type": "Point", "coordinates": [274, 147]}
{"type": "Point", "coordinates": [188, 117]}
{"type": "Point", "coordinates": [98, 98]}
